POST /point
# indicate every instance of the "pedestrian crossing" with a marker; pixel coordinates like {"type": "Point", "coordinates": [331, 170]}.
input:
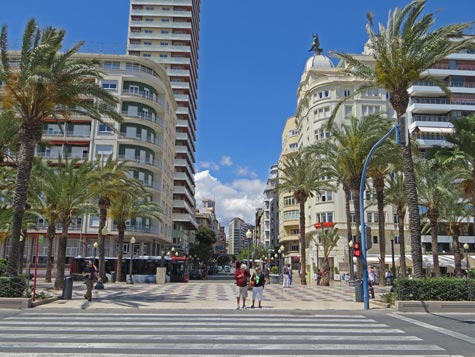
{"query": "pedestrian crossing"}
{"type": "Point", "coordinates": [243, 333]}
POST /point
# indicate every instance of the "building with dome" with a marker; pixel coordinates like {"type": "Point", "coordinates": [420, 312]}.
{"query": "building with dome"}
{"type": "Point", "coordinates": [322, 85]}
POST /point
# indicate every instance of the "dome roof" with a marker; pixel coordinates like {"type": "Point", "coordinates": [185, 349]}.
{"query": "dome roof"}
{"type": "Point", "coordinates": [318, 61]}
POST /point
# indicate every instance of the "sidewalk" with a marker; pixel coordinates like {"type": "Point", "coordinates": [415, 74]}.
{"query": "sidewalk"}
{"type": "Point", "coordinates": [210, 295]}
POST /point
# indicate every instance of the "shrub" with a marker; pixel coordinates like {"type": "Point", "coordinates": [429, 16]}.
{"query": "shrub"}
{"type": "Point", "coordinates": [435, 289]}
{"type": "Point", "coordinates": [3, 266]}
{"type": "Point", "coordinates": [12, 286]}
{"type": "Point", "coordinates": [274, 269]}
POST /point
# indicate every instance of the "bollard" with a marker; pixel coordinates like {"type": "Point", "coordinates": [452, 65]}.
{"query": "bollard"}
{"type": "Point", "coordinates": [67, 288]}
{"type": "Point", "coordinates": [113, 276]}
{"type": "Point", "coordinates": [359, 290]}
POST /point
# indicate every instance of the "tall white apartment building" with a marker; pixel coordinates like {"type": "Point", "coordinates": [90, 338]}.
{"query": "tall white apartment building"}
{"type": "Point", "coordinates": [430, 112]}
{"type": "Point", "coordinates": [145, 139]}
{"type": "Point", "coordinates": [167, 31]}
{"type": "Point", "coordinates": [270, 213]}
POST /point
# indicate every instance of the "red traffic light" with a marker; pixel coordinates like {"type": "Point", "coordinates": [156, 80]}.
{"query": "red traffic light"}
{"type": "Point", "coordinates": [356, 249]}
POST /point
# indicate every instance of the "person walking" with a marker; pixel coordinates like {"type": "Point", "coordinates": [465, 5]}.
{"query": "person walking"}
{"type": "Point", "coordinates": [266, 273]}
{"type": "Point", "coordinates": [89, 274]}
{"type": "Point", "coordinates": [241, 276]}
{"type": "Point", "coordinates": [258, 289]}
{"type": "Point", "coordinates": [285, 277]}
{"type": "Point", "coordinates": [290, 274]}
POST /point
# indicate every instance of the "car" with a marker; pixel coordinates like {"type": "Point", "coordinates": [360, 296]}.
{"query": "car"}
{"type": "Point", "coordinates": [227, 269]}
{"type": "Point", "coordinates": [195, 274]}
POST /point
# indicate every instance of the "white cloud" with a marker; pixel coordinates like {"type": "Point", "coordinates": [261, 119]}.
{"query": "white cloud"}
{"type": "Point", "coordinates": [239, 199]}
{"type": "Point", "coordinates": [207, 165]}
{"type": "Point", "coordinates": [226, 161]}
{"type": "Point", "coordinates": [245, 171]}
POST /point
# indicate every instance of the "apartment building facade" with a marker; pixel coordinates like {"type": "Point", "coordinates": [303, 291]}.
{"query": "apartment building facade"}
{"type": "Point", "coordinates": [145, 139]}
{"type": "Point", "coordinates": [167, 32]}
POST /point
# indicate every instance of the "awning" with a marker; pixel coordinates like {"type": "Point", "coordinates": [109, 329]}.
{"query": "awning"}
{"type": "Point", "coordinates": [431, 129]}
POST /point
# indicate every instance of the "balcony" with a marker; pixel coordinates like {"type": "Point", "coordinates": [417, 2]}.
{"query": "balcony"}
{"type": "Point", "coordinates": [160, 13]}
{"type": "Point", "coordinates": [440, 105]}
{"type": "Point", "coordinates": [141, 160]}
{"type": "Point", "coordinates": [427, 88]}
{"type": "Point", "coordinates": [164, 2]}
{"type": "Point", "coordinates": [145, 95]}
{"type": "Point", "coordinates": [149, 140]}
{"type": "Point", "coordinates": [145, 116]}
{"type": "Point", "coordinates": [161, 24]}
{"type": "Point", "coordinates": [185, 218]}
{"type": "Point", "coordinates": [158, 48]}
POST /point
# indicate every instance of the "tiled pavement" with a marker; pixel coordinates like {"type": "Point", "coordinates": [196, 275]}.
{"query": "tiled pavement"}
{"type": "Point", "coordinates": [218, 294]}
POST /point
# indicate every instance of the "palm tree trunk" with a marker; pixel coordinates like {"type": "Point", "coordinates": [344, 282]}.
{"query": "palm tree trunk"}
{"type": "Point", "coordinates": [325, 280]}
{"type": "Point", "coordinates": [414, 218]}
{"type": "Point", "coordinates": [379, 187]}
{"type": "Point", "coordinates": [22, 251]}
{"type": "Point", "coordinates": [25, 161]}
{"type": "Point", "coordinates": [457, 256]}
{"type": "Point", "coordinates": [349, 231]}
{"type": "Point", "coordinates": [402, 242]}
{"type": "Point", "coordinates": [61, 261]}
{"type": "Point", "coordinates": [303, 259]}
{"type": "Point", "coordinates": [101, 240]}
{"type": "Point", "coordinates": [120, 253]}
{"type": "Point", "coordinates": [356, 205]}
{"type": "Point", "coordinates": [433, 234]}
{"type": "Point", "coordinates": [50, 233]}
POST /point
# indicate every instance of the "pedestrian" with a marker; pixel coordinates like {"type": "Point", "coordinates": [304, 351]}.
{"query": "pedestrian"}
{"type": "Point", "coordinates": [372, 275]}
{"type": "Point", "coordinates": [89, 274]}
{"type": "Point", "coordinates": [290, 274]}
{"type": "Point", "coordinates": [258, 289]}
{"type": "Point", "coordinates": [285, 277]}
{"type": "Point", "coordinates": [319, 276]}
{"type": "Point", "coordinates": [241, 276]}
{"type": "Point", "coordinates": [266, 273]}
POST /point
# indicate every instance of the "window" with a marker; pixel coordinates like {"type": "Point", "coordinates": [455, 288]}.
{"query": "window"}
{"type": "Point", "coordinates": [372, 217]}
{"type": "Point", "coordinates": [165, 20]}
{"type": "Point", "coordinates": [348, 111]}
{"type": "Point", "coordinates": [395, 218]}
{"type": "Point", "coordinates": [111, 65]}
{"type": "Point", "coordinates": [294, 146]}
{"type": "Point", "coordinates": [163, 43]}
{"type": "Point", "coordinates": [289, 201]}
{"type": "Point", "coordinates": [147, 43]}
{"type": "Point", "coordinates": [148, 31]}
{"type": "Point", "coordinates": [104, 129]}
{"type": "Point", "coordinates": [147, 55]}
{"type": "Point", "coordinates": [292, 215]}
{"type": "Point", "coordinates": [149, 19]}
{"type": "Point", "coordinates": [370, 109]}
{"type": "Point", "coordinates": [346, 93]}
{"type": "Point", "coordinates": [162, 55]}
{"type": "Point", "coordinates": [293, 132]}
{"type": "Point", "coordinates": [321, 134]}
{"type": "Point", "coordinates": [326, 196]}
{"type": "Point", "coordinates": [294, 232]}
{"type": "Point", "coordinates": [165, 31]}
{"type": "Point", "coordinates": [375, 239]}
{"type": "Point", "coordinates": [109, 85]}
{"type": "Point", "coordinates": [104, 150]}
{"type": "Point", "coordinates": [324, 217]}
{"type": "Point", "coordinates": [134, 89]}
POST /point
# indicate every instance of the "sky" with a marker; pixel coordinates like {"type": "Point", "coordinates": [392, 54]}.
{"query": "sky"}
{"type": "Point", "coordinates": [252, 55]}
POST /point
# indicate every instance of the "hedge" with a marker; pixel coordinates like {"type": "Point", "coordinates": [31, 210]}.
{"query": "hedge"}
{"type": "Point", "coordinates": [435, 289]}
{"type": "Point", "coordinates": [12, 286]}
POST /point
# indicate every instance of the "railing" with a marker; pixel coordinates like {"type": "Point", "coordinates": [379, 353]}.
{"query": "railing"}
{"type": "Point", "coordinates": [459, 67]}
{"type": "Point", "coordinates": [139, 138]}
{"type": "Point", "coordinates": [146, 95]}
{"type": "Point", "coordinates": [435, 118]}
{"type": "Point", "coordinates": [451, 84]}
{"type": "Point", "coordinates": [144, 116]}
{"type": "Point", "coordinates": [141, 160]}
{"type": "Point", "coordinates": [419, 100]}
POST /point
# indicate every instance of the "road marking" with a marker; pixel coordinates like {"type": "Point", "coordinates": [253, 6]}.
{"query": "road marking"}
{"type": "Point", "coordinates": [454, 334]}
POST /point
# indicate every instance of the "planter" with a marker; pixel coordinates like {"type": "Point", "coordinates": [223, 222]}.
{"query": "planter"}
{"type": "Point", "coordinates": [436, 306]}
{"type": "Point", "coordinates": [15, 303]}
{"type": "Point", "coordinates": [274, 278]}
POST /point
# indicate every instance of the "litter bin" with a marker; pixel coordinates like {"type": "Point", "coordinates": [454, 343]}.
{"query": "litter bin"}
{"type": "Point", "coordinates": [359, 290]}
{"type": "Point", "coordinates": [113, 276]}
{"type": "Point", "coordinates": [67, 288]}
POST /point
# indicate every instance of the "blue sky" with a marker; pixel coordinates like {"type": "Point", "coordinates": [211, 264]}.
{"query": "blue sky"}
{"type": "Point", "coordinates": [252, 55]}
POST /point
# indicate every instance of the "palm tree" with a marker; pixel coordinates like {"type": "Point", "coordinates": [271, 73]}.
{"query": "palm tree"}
{"type": "Point", "coordinates": [462, 154]}
{"type": "Point", "coordinates": [302, 178]}
{"type": "Point", "coordinates": [109, 181]}
{"type": "Point", "coordinates": [434, 185]}
{"type": "Point", "coordinates": [407, 46]}
{"type": "Point", "coordinates": [348, 150]}
{"type": "Point", "coordinates": [329, 240]}
{"type": "Point", "coordinates": [378, 170]}
{"type": "Point", "coordinates": [454, 212]}
{"type": "Point", "coordinates": [65, 188]}
{"type": "Point", "coordinates": [131, 203]}
{"type": "Point", "coordinates": [45, 84]}
{"type": "Point", "coordinates": [9, 128]}
{"type": "Point", "coordinates": [395, 195]}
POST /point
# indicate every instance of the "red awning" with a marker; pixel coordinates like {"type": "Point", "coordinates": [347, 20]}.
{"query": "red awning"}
{"type": "Point", "coordinates": [325, 225]}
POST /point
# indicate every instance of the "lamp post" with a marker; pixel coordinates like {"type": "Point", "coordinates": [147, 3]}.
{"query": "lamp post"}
{"type": "Point", "coordinates": [132, 242]}
{"type": "Point", "coordinates": [95, 245]}
{"type": "Point", "coordinates": [249, 237]}
{"type": "Point", "coordinates": [469, 273]}
{"type": "Point", "coordinates": [350, 257]}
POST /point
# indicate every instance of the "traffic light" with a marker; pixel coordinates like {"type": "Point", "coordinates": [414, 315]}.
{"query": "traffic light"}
{"type": "Point", "coordinates": [356, 249]}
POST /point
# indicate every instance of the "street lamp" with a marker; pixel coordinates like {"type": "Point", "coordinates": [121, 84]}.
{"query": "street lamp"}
{"type": "Point", "coordinates": [465, 247]}
{"type": "Point", "coordinates": [350, 257]}
{"type": "Point", "coordinates": [132, 242]}
{"type": "Point", "coordinates": [95, 245]}
{"type": "Point", "coordinates": [249, 237]}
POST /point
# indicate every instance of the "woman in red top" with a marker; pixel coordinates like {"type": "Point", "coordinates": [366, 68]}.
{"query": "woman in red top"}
{"type": "Point", "coordinates": [241, 276]}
